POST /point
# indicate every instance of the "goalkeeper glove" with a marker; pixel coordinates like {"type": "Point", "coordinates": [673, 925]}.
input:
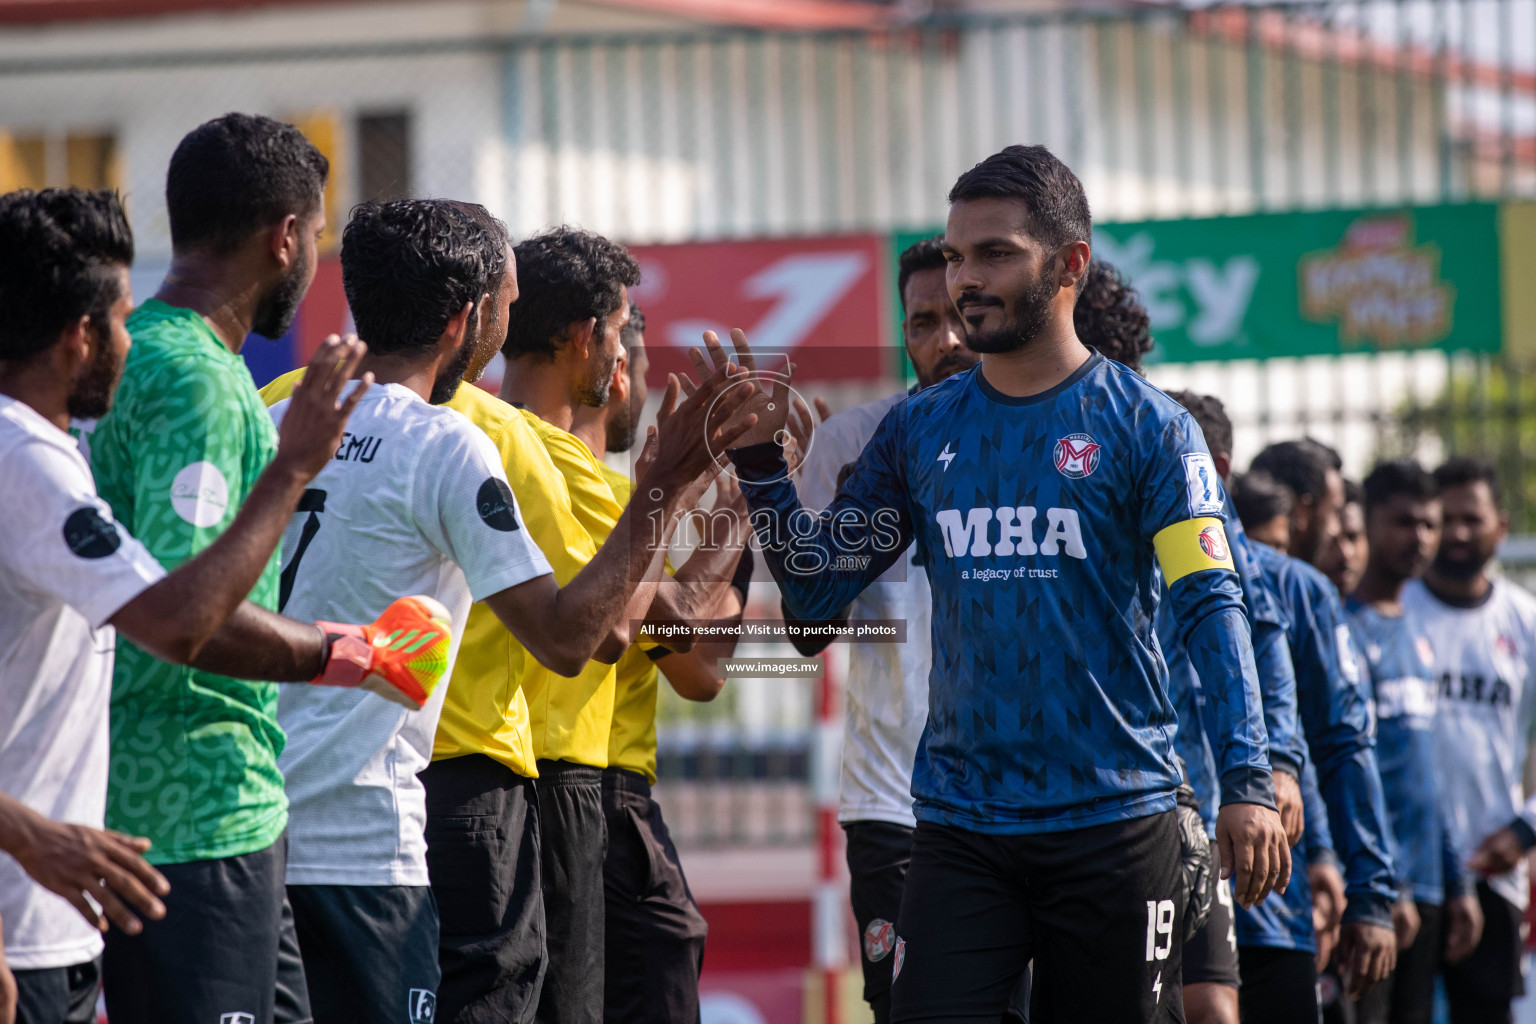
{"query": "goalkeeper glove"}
{"type": "Point", "coordinates": [401, 656]}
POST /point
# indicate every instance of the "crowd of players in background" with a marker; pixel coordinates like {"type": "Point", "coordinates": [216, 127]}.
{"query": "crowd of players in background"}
{"type": "Point", "coordinates": [1439, 654]}
{"type": "Point", "coordinates": [489, 850]}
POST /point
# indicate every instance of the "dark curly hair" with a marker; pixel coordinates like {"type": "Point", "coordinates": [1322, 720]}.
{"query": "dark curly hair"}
{"type": "Point", "coordinates": [407, 267]}
{"type": "Point", "coordinates": [496, 236]}
{"type": "Point", "coordinates": [565, 276]}
{"type": "Point", "coordinates": [1110, 318]}
{"type": "Point", "coordinates": [1258, 497]}
{"type": "Point", "coordinates": [1211, 415]}
{"type": "Point", "coordinates": [61, 251]}
{"type": "Point", "coordinates": [927, 254]}
{"type": "Point", "coordinates": [236, 174]}
{"type": "Point", "coordinates": [1301, 465]}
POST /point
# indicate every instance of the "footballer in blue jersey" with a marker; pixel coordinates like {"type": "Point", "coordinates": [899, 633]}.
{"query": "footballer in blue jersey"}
{"type": "Point", "coordinates": [1210, 970]}
{"type": "Point", "coordinates": [1402, 530]}
{"type": "Point", "coordinates": [1335, 714]}
{"type": "Point", "coordinates": [1279, 976]}
{"type": "Point", "coordinates": [1042, 489]}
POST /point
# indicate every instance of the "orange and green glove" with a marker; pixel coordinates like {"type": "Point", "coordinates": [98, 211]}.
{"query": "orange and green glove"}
{"type": "Point", "coordinates": [401, 657]}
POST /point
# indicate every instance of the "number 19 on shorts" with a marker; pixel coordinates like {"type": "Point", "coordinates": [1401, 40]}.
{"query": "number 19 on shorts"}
{"type": "Point", "coordinates": [1159, 929]}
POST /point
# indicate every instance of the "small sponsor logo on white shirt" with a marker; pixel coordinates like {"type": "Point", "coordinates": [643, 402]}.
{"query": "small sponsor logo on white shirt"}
{"type": "Point", "coordinates": [200, 495]}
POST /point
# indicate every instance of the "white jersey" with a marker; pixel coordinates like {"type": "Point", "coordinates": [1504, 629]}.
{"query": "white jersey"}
{"type": "Point", "coordinates": [415, 502]}
{"type": "Point", "coordinates": [66, 567]}
{"type": "Point", "coordinates": [1484, 658]}
{"type": "Point", "coordinates": [887, 692]}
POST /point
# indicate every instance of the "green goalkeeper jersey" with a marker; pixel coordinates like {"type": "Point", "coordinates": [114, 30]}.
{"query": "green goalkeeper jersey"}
{"type": "Point", "coordinates": [194, 755]}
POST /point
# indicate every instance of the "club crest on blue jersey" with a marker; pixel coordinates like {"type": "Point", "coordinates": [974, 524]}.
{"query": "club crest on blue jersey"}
{"type": "Point", "coordinates": [1077, 455]}
{"type": "Point", "coordinates": [1213, 541]}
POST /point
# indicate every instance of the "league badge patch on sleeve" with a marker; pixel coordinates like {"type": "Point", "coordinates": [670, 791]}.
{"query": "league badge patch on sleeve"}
{"type": "Point", "coordinates": [1203, 484]}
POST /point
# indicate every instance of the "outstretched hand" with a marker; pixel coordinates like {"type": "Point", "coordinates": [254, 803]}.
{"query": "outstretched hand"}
{"type": "Point", "coordinates": [769, 403]}
{"type": "Point", "coordinates": [693, 432]}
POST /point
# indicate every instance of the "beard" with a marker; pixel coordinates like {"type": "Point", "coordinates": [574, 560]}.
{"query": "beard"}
{"type": "Point", "coordinates": [1460, 569]}
{"type": "Point", "coordinates": [621, 432]}
{"type": "Point", "coordinates": [276, 310]}
{"type": "Point", "coordinates": [947, 367]}
{"type": "Point", "coordinates": [452, 375]}
{"type": "Point", "coordinates": [91, 397]}
{"type": "Point", "coordinates": [1031, 311]}
{"type": "Point", "coordinates": [593, 389]}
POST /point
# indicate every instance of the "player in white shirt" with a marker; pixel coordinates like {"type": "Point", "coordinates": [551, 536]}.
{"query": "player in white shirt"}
{"type": "Point", "coordinates": [416, 496]}
{"type": "Point", "coordinates": [1482, 632]}
{"type": "Point", "coordinates": [70, 577]}
{"type": "Point", "coordinates": [886, 695]}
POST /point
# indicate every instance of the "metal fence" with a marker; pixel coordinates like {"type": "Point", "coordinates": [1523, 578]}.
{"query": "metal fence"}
{"type": "Point", "coordinates": [1164, 112]}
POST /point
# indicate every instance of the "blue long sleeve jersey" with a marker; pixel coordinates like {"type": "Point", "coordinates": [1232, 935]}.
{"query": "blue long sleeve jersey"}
{"type": "Point", "coordinates": [1195, 740]}
{"type": "Point", "coordinates": [1037, 520]}
{"type": "Point", "coordinates": [1398, 663]}
{"type": "Point", "coordinates": [1334, 704]}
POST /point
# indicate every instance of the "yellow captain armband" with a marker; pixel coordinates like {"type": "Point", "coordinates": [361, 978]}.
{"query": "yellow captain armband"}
{"type": "Point", "coordinates": [1191, 546]}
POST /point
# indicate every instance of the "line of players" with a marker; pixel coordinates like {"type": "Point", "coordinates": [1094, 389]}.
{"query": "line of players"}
{"type": "Point", "coordinates": [372, 857]}
{"type": "Point", "coordinates": [316, 853]}
{"type": "Point", "coordinates": [1411, 645]}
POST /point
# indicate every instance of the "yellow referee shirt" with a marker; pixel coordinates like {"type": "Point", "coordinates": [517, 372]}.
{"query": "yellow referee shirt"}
{"type": "Point", "coordinates": [571, 718]}
{"type": "Point", "coordinates": [632, 740]}
{"type": "Point", "coordinates": [487, 707]}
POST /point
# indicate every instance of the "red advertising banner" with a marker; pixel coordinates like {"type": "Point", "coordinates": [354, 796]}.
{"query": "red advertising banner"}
{"type": "Point", "coordinates": [822, 300]}
{"type": "Point", "coordinates": [818, 299]}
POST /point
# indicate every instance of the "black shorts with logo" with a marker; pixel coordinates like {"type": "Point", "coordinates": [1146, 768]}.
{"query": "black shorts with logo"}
{"type": "Point", "coordinates": [370, 952]}
{"type": "Point", "coordinates": [1099, 909]}
{"type": "Point", "coordinates": [878, 855]}
{"type": "Point", "coordinates": [1210, 958]}
{"type": "Point", "coordinates": [224, 952]}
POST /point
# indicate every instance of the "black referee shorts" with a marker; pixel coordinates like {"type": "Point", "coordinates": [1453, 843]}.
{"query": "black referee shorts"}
{"type": "Point", "coordinates": [573, 845]}
{"type": "Point", "coordinates": [654, 932]}
{"type": "Point", "coordinates": [1099, 909]}
{"type": "Point", "coordinates": [483, 861]}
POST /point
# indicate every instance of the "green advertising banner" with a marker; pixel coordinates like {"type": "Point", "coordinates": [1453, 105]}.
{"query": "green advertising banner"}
{"type": "Point", "coordinates": [1315, 283]}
